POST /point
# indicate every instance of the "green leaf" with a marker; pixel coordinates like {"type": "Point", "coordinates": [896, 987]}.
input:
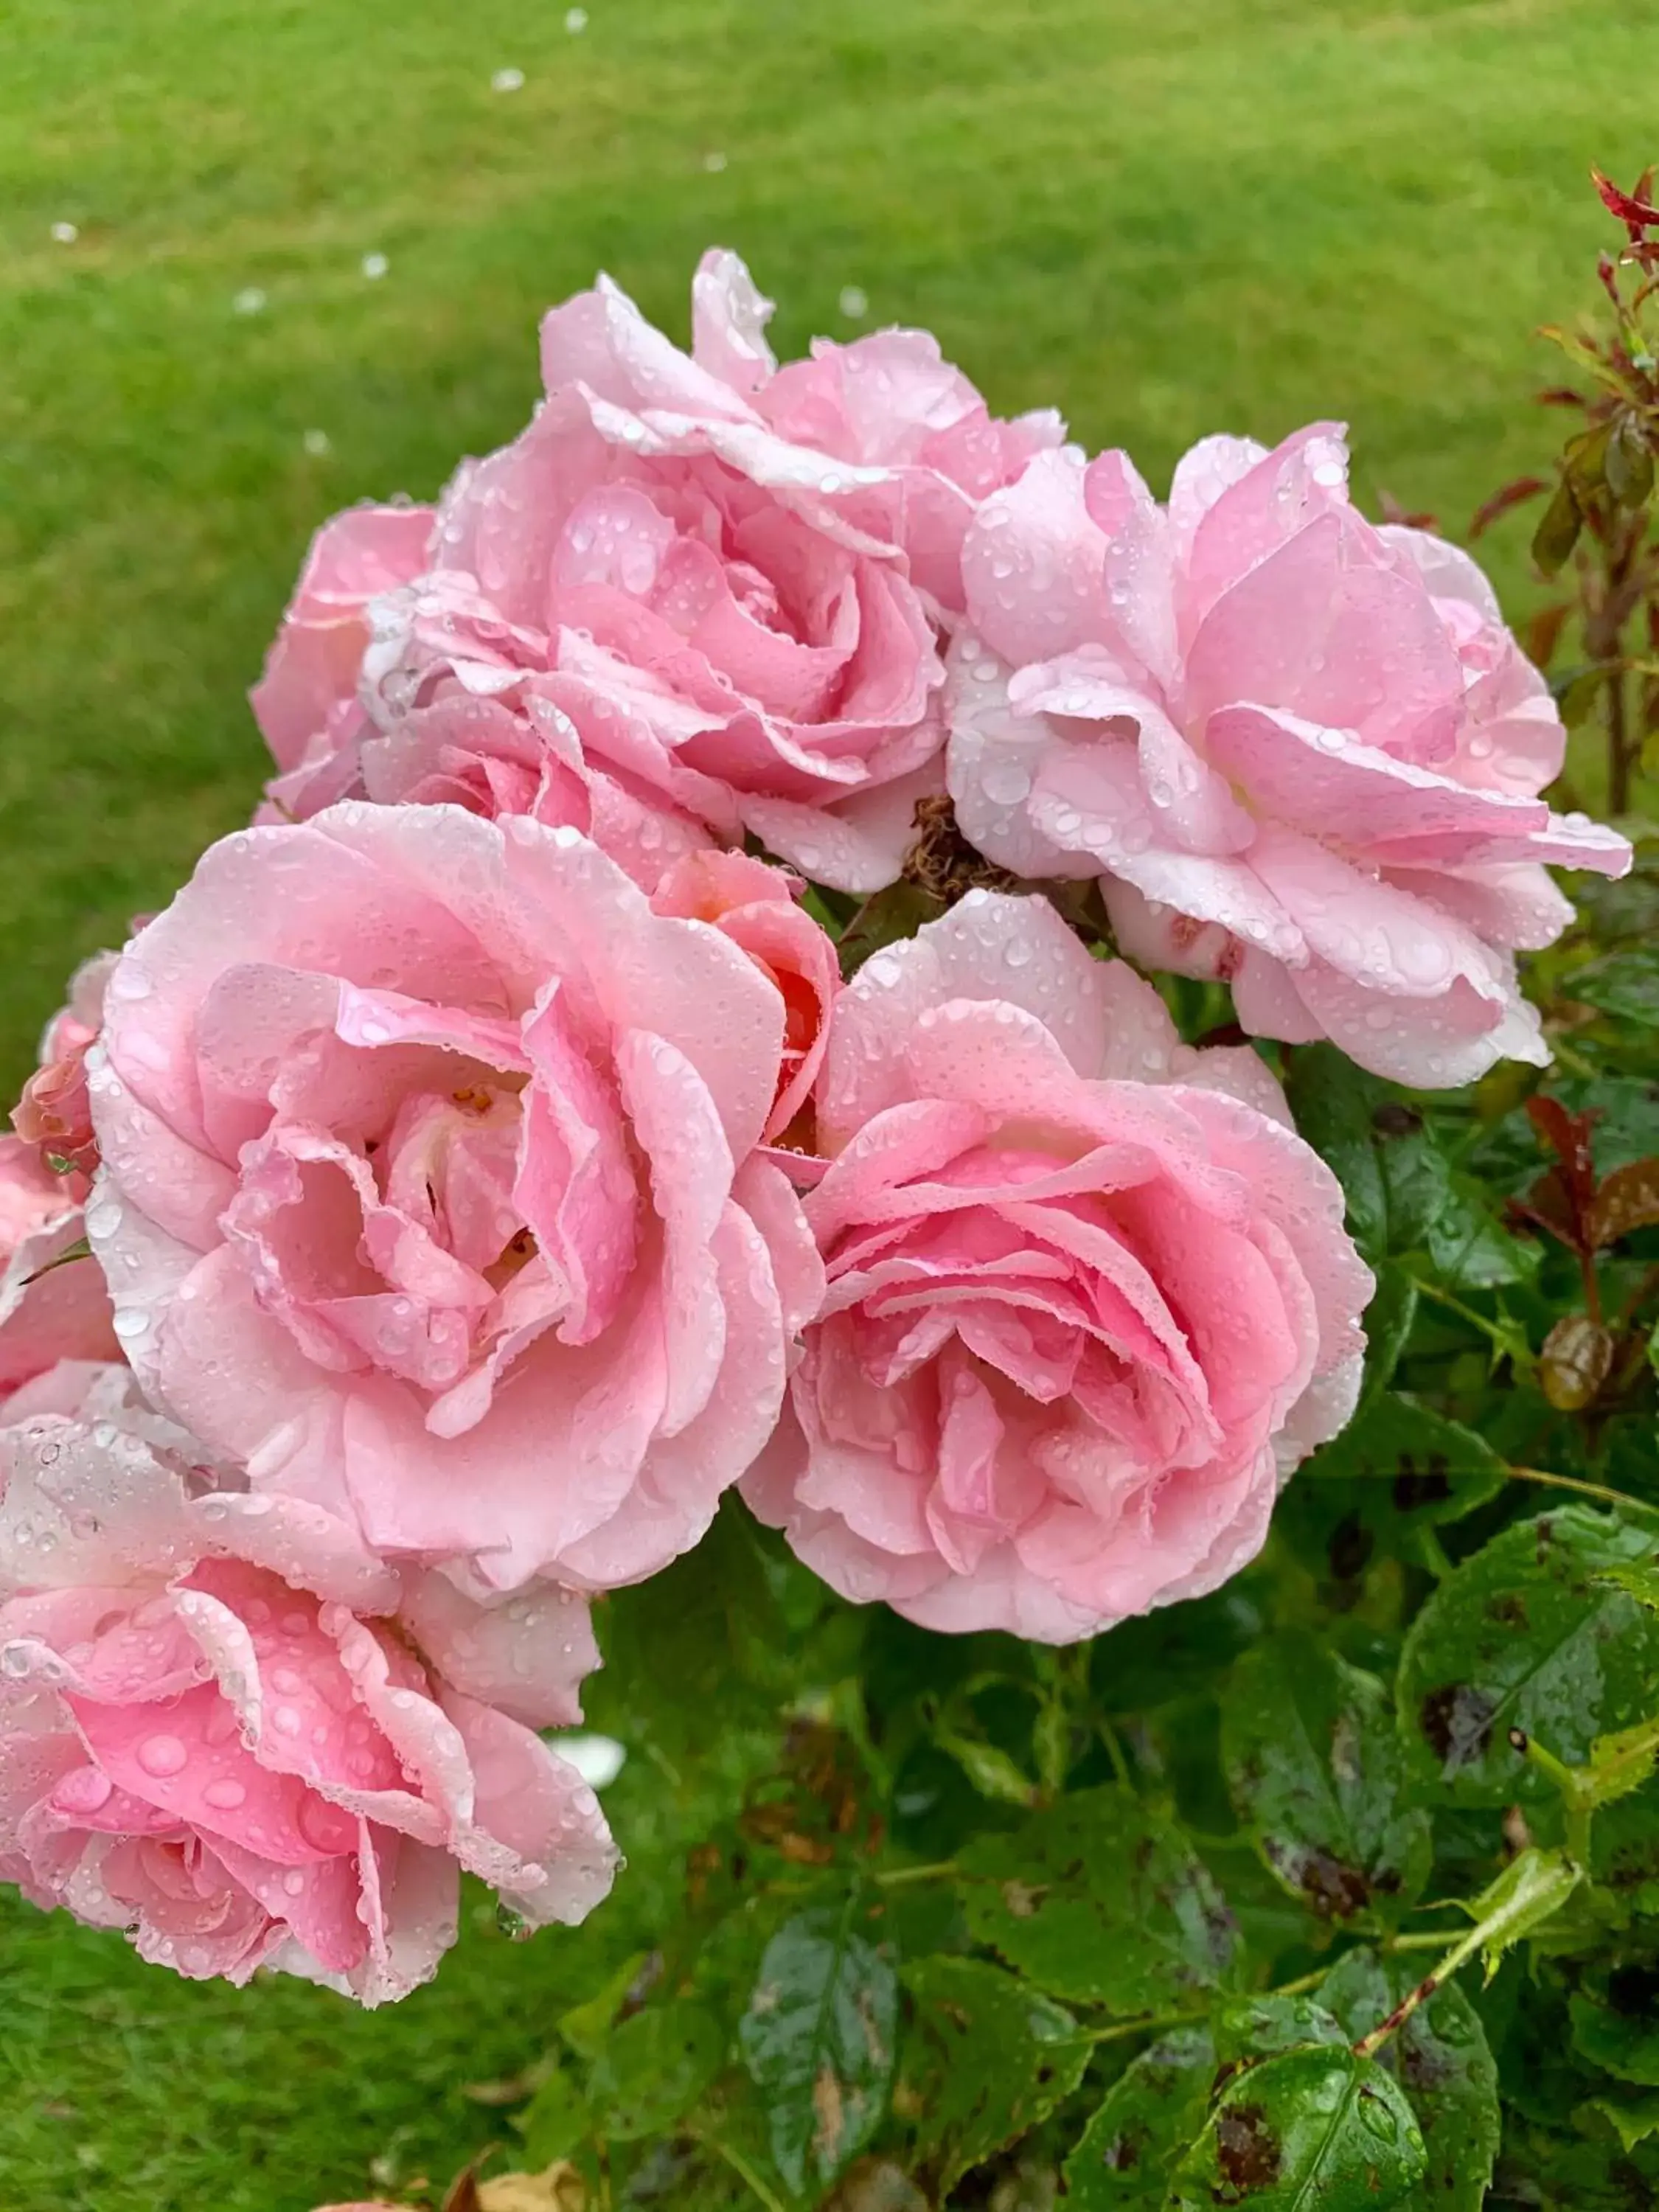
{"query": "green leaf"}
{"type": "Point", "coordinates": [1625, 985]}
{"type": "Point", "coordinates": [1616, 2025]}
{"type": "Point", "coordinates": [1470, 1245]}
{"type": "Point", "coordinates": [554, 2122]}
{"type": "Point", "coordinates": [1558, 530]}
{"type": "Point", "coordinates": [1268, 2026]}
{"type": "Point", "coordinates": [997, 2057]}
{"type": "Point", "coordinates": [1314, 1766]}
{"type": "Point", "coordinates": [992, 1772]}
{"type": "Point", "coordinates": [1532, 1888]}
{"type": "Point", "coordinates": [820, 2039]}
{"type": "Point", "coordinates": [1525, 1634]}
{"type": "Point", "coordinates": [1625, 1849]}
{"type": "Point", "coordinates": [1101, 1901]}
{"type": "Point", "coordinates": [652, 2069]}
{"type": "Point", "coordinates": [1397, 1471]}
{"type": "Point", "coordinates": [585, 2026]}
{"type": "Point", "coordinates": [1390, 1320]}
{"type": "Point", "coordinates": [1439, 2056]}
{"type": "Point", "coordinates": [1150, 2114]}
{"type": "Point", "coordinates": [1633, 2122]}
{"type": "Point", "coordinates": [896, 912]}
{"type": "Point", "coordinates": [1376, 1146]}
{"type": "Point", "coordinates": [1314, 2128]}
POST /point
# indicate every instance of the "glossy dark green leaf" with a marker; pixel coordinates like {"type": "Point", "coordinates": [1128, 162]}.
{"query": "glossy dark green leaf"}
{"type": "Point", "coordinates": [1390, 1319]}
{"type": "Point", "coordinates": [652, 2069]}
{"type": "Point", "coordinates": [1399, 1468]}
{"type": "Point", "coordinates": [1150, 2117]}
{"type": "Point", "coordinates": [820, 2041]}
{"type": "Point", "coordinates": [1626, 985]}
{"type": "Point", "coordinates": [992, 2059]}
{"type": "Point", "coordinates": [1439, 2056]}
{"type": "Point", "coordinates": [1384, 1155]}
{"type": "Point", "coordinates": [1615, 2023]}
{"type": "Point", "coordinates": [1099, 1900]}
{"type": "Point", "coordinates": [1316, 2130]}
{"type": "Point", "coordinates": [1524, 1636]}
{"type": "Point", "coordinates": [1266, 2026]}
{"type": "Point", "coordinates": [1315, 1766]}
{"type": "Point", "coordinates": [1625, 1849]}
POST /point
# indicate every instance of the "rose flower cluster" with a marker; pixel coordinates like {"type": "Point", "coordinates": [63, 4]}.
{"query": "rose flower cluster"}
{"type": "Point", "coordinates": [482, 1164]}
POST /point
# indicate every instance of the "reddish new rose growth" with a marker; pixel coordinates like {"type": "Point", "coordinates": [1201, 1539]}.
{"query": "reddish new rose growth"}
{"type": "Point", "coordinates": [55, 1111]}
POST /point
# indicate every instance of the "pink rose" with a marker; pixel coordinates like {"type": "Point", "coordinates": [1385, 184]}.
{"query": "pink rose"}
{"type": "Point", "coordinates": [429, 1190]}
{"type": "Point", "coordinates": [697, 598]}
{"type": "Point", "coordinates": [53, 1304]}
{"type": "Point", "coordinates": [1090, 1296]}
{"type": "Point", "coordinates": [306, 704]}
{"type": "Point", "coordinates": [1301, 753]}
{"type": "Point", "coordinates": [226, 1727]}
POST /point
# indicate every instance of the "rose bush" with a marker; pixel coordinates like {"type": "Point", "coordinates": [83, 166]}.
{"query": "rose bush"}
{"type": "Point", "coordinates": [225, 1725]}
{"type": "Point", "coordinates": [697, 597]}
{"type": "Point", "coordinates": [431, 1191]}
{"type": "Point", "coordinates": [1301, 752]}
{"type": "Point", "coordinates": [1090, 1298]}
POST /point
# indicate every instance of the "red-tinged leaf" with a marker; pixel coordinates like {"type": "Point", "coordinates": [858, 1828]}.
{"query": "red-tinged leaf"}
{"type": "Point", "coordinates": [1557, 533]}
{"type": "Point", "coordinates": [1630, 207]}
{"type": "Point", "coordinates": [1568, 1136]}
{"type": "Point", "coordinates": [1511, 495]}
{"type": "Point", "coordinates": [1575, 1361]}
{"type": "Point", "coordinates": [1559, 395]}
{"type": "Point", "coordinates": [1404, 518]}
{"type": "Point", "coordinates": [1547, 1207]}
{"type": "Point", "coordinates": [1627, 1200]}
{"type": "Point", "coordinates": [1544, 632]}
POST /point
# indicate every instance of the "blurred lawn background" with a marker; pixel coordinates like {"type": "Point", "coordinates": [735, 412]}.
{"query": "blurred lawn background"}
{"type": "Point", "coordinates": [1235, 213]}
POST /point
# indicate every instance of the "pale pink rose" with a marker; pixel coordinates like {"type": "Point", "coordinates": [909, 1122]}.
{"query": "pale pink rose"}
{"type": "Point", "coordinates": [227, 1727]}
{"type": "Point", "coordinates": [53, 1304]}
{"type": "Point", "coordinates": [306, 702]}
{"type": "Point", "coordinates": [756, 907]}
{"type": "Point", "coordinates": [1301, 753]}
{"type": "Point", "coordinates": [698, 597]}
{"type": "Point", "coordinates": [431, 1190]}
{"type": "Point", "coordinates": [1090, 1296]}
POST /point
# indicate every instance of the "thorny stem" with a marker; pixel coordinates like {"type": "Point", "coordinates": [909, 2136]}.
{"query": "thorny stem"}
{"type": "Point", "coordinates": [1599, 1489]}
{"type": "Point", "coordinates": [1488, 1329]}
{"type": "Point", "coordinates": [1578, 1798]}
{"type": "Point", "coordinates": [899, 1877]}
{"type": "Point", "coordinates": [1151, 2023]}
{"type": "Point", "coordinates": [1505, 1920]}
{"type": "Point", "coordinates": [1114, 1751]}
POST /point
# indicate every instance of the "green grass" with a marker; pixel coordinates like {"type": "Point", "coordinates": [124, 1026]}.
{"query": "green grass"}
{"type": "Point", "coordinates": [1234, 214]}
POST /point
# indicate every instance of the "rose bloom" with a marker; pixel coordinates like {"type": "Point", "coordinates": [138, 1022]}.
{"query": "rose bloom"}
{"type": "Point", "coordinates": [227, 1727]}
{"type": "Point", "coordinates": [1301, 753]}
{"type": "Point", "coordinates": [1090, 1296]}
{"type": "Point", "coordinates": [53, 1304]}
{"type": "Point", "coordinates": [697, 597]}
{"type": "Point", "coordinates": [431, 1190]}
